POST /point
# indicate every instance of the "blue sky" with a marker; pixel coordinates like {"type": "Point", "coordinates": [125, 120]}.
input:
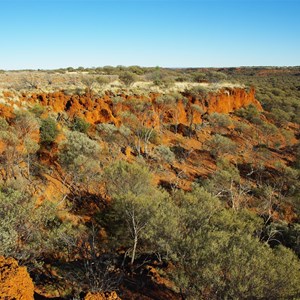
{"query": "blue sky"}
{"type": "Point", "coordinates": [51, 34]}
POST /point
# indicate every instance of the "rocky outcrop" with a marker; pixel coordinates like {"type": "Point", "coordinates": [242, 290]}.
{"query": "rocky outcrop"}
{"type": "Point", "coordinates": [93, 109]}
{"type": "Point", "coordinates": [224, 101]}
{"type": "Point", "coordinates": [102, 296]}
{"type": "Point", "coordinates": [106, 110]}
{"type": "Point", "coordinates": [230, 99]}
{"type": "Point", "coordinates": [15, 282]}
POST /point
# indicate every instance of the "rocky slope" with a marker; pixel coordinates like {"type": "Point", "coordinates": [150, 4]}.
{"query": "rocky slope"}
{"type": "Point", "coordinates": [192, 159]}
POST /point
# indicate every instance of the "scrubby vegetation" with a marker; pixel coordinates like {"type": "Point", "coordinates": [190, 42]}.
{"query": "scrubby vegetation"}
{"type": "Point", "coordinates": [169, 190]}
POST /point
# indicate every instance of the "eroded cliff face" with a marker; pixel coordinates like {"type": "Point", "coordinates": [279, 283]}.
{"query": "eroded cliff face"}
{"type": "Point", "coordinates": [105, 110]}
{"type": "Point", "coordinates": [229, 100]}
{"type": "Point", "coordinates": [15, 282]}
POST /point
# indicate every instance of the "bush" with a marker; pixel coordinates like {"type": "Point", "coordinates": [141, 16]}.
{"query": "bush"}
{"type": "Point", "coordinates": [214, 76]}
{"type": "Point", "coordinates": [77, 149]}
{"type": "Point", "coordinates": [165, 153]}
{"type": "Point", "coordinates": [27, 231]}
{"type": "Point", "coordinates": [199, 77]}
{"type": "Point", "coordinates": [241, 127]}
{"type": "Point", "coordinates": [79, 156]}
{"type": "Point", "coordinates": [219, 145]}
{"type": "Point", "coordinates": [80, 125]}
{"type": "Point", "coordinates": [48, 131]}
{"type": "Point", "coordinates": [234, 264]}
{"type": "Point", "coordinates": [103, 80]}
{"type": "Point", "coordinates": [37, 110]}
{"type": "Point", "coordinates": [166, 82]}
{"type": "Point", "coordinates": [139, 214]}
{"type": "Point", "coordinates": [250, 113]}
{"type": "Point", "coordinates": [280, 117]}
{"type": "Point", "coordinates": [3, 124]}
{"type": "Point", "coordinates": [219, 121]}
{"type": "Point", "coordinates": [128, 78]}
{"type": "Point", "coordinates": [197, 92]}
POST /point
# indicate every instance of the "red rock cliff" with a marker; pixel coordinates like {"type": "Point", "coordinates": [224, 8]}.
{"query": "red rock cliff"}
{"type": "Point", "coordinates": [102, 110]}
{"type": "Point", "coordinates": [228, 100]}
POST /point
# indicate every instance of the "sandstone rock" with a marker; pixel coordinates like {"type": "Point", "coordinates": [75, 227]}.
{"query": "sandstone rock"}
{"type": "Point", "coordinates": [15, 282]}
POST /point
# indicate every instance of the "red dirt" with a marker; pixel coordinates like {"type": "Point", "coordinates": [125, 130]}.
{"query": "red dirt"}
{"type": "Point", "coordinates": [15, 282]}
{"type": "Point", "coordinates": [102, 296]}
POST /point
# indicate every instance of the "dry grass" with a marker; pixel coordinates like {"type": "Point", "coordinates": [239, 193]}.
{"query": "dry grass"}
{"type": "Point", "coordinates": [71, 82]}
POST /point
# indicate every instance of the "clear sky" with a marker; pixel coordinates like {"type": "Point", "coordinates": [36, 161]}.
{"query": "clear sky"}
{"type": "Point", "coordinates": [217, 33]}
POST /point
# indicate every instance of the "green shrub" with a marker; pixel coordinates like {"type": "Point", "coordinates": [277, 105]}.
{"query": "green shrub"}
{"type": "Point", "coordinates": [3, 124]}
{"type": "Point", "coordinates": [103, 80]}
{"type": "Point", "coordinates": [37, 110]}
{"type": "Point", "coordinates": [241, 127]}
{"type": "Point", "coordinates": [199, 77]}
{"type": "Point", "coordinates": [79, 157]}
{"type": "Point", "coordinates": [128, 78]}
{"type": "Point", "coordinates": [165, 153]}
{"type": "Point", "coordinates": [48, 131]}
{"type": "Point", "coordinates": [234, 264]}
{"type": "Point", "coordinates": [28, 231]}
{"type": "Point", "coordinates": [139, 216]}
{"type": "Point", "coordinates": [219, 122]}
{"type": "Point", "coordinates": [250, 113]}
{"type": "Point", "coordinates": [166, 82]}
{"type": "Point", "coordinates": [197, 92]}
{"type": "Point", "coordinates": [80, 125]}
{"type": "Point", "coordinates": [77, 149]}
{"type": "Point", "coordinates": [280, 116]}
{"type": "Point", "coordinates": [220, 145]}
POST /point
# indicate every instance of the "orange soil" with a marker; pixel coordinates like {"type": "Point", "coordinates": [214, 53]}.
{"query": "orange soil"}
{"type": "Point", "coordinates": [15, 282]}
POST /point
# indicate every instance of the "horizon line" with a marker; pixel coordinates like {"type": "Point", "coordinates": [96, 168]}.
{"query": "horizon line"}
{"type": "Point", "coordinates": [157, 66]}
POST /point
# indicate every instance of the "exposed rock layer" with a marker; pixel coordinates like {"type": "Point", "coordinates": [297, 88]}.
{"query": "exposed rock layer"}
{"type": "Point", "coordinates": [15, 282]}
{"type": "Point", "coordinates": [103, 110]}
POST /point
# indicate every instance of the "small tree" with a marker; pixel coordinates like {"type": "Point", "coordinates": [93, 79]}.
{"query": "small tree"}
{"type": "Point", "coordinates": [29, 231]}
{"type": "Point", "coordinates": [138, 211]}
{"type": "Point", "coordinates": [164, 153]}
{"type": "Point", "coordinates": [27, 130]}
{"type": "Point", "coordinates": [89, 82]}
{"type": "Point", "coordinates": [138, 125]}
{"type": "Point", "coordinates": [250, 113]}
{"type": "Point", "coordinates": [199, 77]}
{"type": "Point", "coordinates": [21, 140]}
{"type": "Point", "coordinates": [80, 125]}
{"type": "Point", "coordinates": [197, 92]}
{"type": "Point", "coordinates": [219, 122]}
{"type": "Point", "coordinates": [128, 78]}
{"type": "Point", "coordinates": [220, 145]}
{"type": "Point", "coordinates": [225, 183]}
{"type": "Point", "coordinates": [79, 157]}
{"type": "Point", "coordinates": [103, 80]}
{"type": "Point", "coordinates": [194, 109]}
{"type": "Point", "coordinates": [48, 131]}
{"type": "Point", "coordinates": [268, 130]}
{"type": "Point", "coordinates": [234, 264]}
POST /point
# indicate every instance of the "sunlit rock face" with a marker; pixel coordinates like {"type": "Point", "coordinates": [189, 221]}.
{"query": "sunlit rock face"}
{"type": "Point", "coordinates": [15, 282]}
